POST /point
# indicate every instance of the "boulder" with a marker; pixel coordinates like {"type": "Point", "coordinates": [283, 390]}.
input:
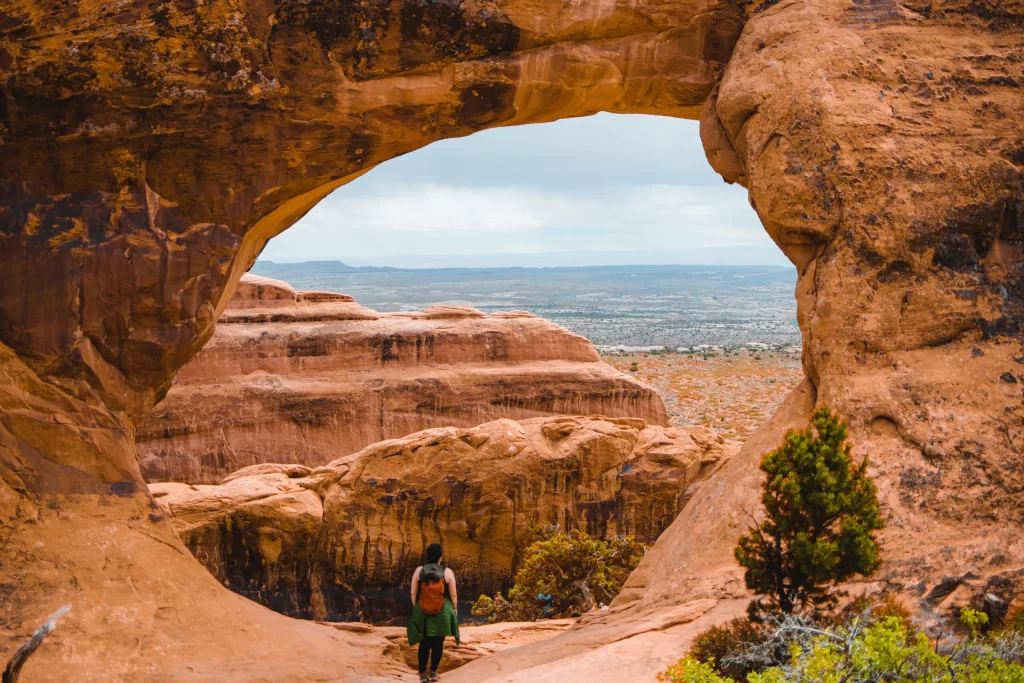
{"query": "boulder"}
{"type": "Point", "coordinates": [256, 534]}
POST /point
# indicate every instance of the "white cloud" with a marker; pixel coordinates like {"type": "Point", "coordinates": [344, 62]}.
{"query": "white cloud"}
{"type": "Point", "coordinates": [431, 207]}
{"type": "Point", "coordinates": [433, 218]}
{"type": "Point", "coordinates": [599, 184]}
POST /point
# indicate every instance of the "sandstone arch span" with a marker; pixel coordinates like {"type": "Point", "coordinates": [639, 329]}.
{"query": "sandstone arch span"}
{"type": "Point", "coordinates": [150, 149]}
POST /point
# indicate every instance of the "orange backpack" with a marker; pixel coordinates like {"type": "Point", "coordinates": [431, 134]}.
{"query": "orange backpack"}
{"type": "Point", "coordinates": [432, 585]}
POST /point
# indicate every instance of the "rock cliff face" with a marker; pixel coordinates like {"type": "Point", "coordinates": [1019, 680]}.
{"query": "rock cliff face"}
{"type": "Point", "coordinates": [307, 377]}
{"type": "Point", "coordinates": [148, 152]}
{"type": "Point", "coordinates": [883, 153]}
{"type": "Point", "coordinates": [340, 542]}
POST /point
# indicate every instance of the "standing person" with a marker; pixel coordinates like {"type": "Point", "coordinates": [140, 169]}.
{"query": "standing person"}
{"type": "Point", "coordinates": [434, 596]}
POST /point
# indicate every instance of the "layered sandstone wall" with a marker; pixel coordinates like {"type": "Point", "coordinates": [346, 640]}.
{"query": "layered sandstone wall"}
{"type": "Point", "coordinates": [340, 542]}
{"type": "Point", "coordinates": [306, 377]}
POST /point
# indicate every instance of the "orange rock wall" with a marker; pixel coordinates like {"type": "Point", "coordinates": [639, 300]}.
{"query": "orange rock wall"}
{"type": "Point", "coordinates": [340, 542]}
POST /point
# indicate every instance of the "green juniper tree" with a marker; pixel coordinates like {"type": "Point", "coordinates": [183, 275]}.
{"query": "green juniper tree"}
{"type": "Point", "coordinates": [820, 514]}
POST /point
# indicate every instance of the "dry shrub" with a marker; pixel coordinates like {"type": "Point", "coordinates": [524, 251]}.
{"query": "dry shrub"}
{"type": "Point", "coordinates": [891, 606]}
{"type": "Point", "coordinates": [744, 646]}
{"type": "Point", "coordinates": [879, 608]}
{"type": "Point", "coordinates": [719, 642]}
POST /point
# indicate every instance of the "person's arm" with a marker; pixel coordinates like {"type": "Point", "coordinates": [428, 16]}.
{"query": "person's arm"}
{"type": "Point", "coordinates": [453, 590]}
{"type": "Point", "coordinates": [415, 585]}
{"type": "Point", "coordinates": [453, 593]}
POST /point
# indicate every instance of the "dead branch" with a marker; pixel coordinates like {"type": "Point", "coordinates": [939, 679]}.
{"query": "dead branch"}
{"type": "Point", "coordinates": [13, 669]}
{"type": "Point", "coordinates": [587, 602]}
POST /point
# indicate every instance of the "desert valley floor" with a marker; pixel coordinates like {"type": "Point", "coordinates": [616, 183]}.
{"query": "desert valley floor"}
{"type": "Point", "coordinates": [733, 391]}
{"type": "Point", "coordinates": [727, 348]}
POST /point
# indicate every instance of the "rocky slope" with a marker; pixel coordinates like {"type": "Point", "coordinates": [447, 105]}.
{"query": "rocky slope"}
{"type": "Point", "coordinates": [305, 377]}
{"type": "Point", "coordinates": [341, 541]}
{"type": "Point", "coordinates": [147, 153]}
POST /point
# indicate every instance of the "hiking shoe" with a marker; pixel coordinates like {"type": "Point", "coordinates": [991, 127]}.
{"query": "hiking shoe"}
{"type": "Point", "coordinates": [434, 676]}
{"type": "Point", "coordinates": [424, 678]}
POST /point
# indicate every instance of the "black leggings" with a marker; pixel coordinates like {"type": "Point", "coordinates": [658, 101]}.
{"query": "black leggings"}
{"type": "Point", "coordinates": [431, 647]}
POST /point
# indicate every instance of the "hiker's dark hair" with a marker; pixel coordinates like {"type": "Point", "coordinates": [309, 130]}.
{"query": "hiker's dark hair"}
{"type": "Point", "coordinates": [433, 553]}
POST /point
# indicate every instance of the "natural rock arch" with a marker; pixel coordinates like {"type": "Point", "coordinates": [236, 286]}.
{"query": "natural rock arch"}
{"type": "Point", "coordinates": [149, 151]}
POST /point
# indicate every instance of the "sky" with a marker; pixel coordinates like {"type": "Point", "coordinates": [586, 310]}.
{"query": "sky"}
{"type": "Point", "coordinates": [600, 190]}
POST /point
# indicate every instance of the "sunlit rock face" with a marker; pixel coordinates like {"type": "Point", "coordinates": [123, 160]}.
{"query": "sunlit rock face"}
{"type": "Point", "coordinates": [307, 377]}
{"type": "Point", "coordinates": [339, 542]}
{"type": "Point", "coordinates": [893, 178]}
{"type": "Point", "coordinates": [148, 152]}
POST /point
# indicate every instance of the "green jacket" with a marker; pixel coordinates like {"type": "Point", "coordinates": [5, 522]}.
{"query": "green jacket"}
{"type": "Point", "coordinates": [444, 624]}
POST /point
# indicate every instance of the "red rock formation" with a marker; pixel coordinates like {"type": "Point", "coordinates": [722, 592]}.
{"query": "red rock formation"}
{"type": "Point", "coordinates": [290, 386]}
{"type": "Point", "coordinates": [893, 177]}
{"type": "Point", "coordinates": [148, 153]}
{"type": "Point", "coordinates": [341, 541]}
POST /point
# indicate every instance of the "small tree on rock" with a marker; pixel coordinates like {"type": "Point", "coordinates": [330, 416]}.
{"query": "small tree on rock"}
{"type": "Point", "coordinates": [820, 515]}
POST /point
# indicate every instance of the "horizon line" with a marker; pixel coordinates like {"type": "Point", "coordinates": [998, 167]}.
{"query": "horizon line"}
{"type": "Point", "coordinates": [485, 267]}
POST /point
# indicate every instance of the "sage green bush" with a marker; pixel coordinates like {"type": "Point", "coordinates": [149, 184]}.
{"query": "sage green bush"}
{"type": "Point", "coordinates": [869, 651]}
{"type": "Point", "coordinates": [564, 575]}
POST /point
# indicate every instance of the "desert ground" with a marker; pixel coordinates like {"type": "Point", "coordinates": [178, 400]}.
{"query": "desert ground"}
{"type": "Point", "coordinates": [733, 391]}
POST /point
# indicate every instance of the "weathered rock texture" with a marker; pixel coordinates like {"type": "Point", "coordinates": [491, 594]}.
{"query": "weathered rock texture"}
{"type": "Point", "coordinates": [299, 383]}
{"type": "Point", "coordinates": [883, 148]}
{"type": "Point", "coordinates": [340, 542]}
{"type": "Point", "coordinates": [149, 151]}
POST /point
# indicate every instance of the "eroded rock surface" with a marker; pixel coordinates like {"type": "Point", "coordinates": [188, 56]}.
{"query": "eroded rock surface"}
{"type": "Point", "coordinates": [282, 384]}
{"type": "Point", "coordinates": [147, 153]}
{"type": "Point", "coordinates": [341, 541]}
{"type": "Point", "coordinates": [883, 153]}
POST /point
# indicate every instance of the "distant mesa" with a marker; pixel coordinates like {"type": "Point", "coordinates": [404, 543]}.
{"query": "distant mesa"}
{"type": "Point", "coordinates": [306, 377]}
{"type": "Point", "coordinates": [263, 299]}
{"type": "Point", "coordinates": [439, 312]}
